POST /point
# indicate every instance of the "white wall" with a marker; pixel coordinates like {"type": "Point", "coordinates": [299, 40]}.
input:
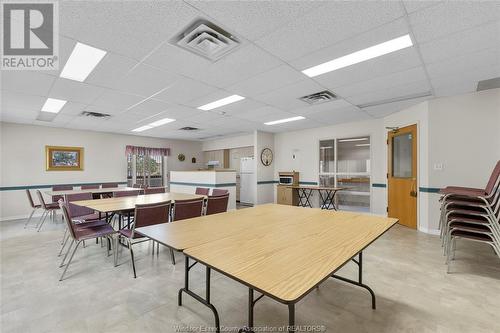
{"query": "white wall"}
{"type": "Point", "coordinates": [227, 143]}
{"type": "Point", "coordinates": [22, 151]}
{"type": "Point", "coordinates": [264, 192]}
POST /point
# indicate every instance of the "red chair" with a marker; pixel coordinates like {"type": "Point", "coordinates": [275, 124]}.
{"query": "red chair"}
{"type": "Point", "coordinates": [217, 204]}
{"type": "Point", "coordinates": [217, 192]}
{"type": "Point", "coordinates": [32, 204]}
{"type": "Point", "coordinates": [129, 193]}
{"type": "Point", "coordinates": [144, 215]}
{"type": "Point", "coordinates": [55, 198]}
{"type": "Point", "coordinates": [202, 191]}
{"type": "Point", "coordinates": [78, 235]}
{"type": "Point", "coordinates": [153, 190]}
{"type": "Point", "coordinates": [48, 208]}
{"type": "Point", "coordinates": [109, 185]}
{"type": "Point", "coordinates": [89, 187]}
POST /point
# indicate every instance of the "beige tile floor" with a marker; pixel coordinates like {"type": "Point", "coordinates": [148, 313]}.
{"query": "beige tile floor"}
{"type": "Point", "coordinates": [405, 268]}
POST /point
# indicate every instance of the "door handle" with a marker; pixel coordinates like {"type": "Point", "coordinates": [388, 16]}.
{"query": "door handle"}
{"type": "Point", "coordinates": [413, 191]}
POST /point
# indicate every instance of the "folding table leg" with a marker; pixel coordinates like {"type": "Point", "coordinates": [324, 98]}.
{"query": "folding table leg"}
{"type": "Point", "coordinates": [291, 317]}
{"type": "Point", "coordinates": [205, 301]}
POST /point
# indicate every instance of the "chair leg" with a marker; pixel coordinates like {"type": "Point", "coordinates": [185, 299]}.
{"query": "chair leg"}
{"type": "Point", "coordinates": [157, 249]}
{"type": "Point", "coordinates": [40, 219]}
{"type": "Point", "coordinates": [67, 252]}
{"type": "Point", "coordinates": [63, 245]}
{"type": "Point", "coordinates": [69, 262]}
{"type": "Point", "coordinates": [64, 235]}
{"type": "Point", "coordinates": [172, 256]}
{"type": "Point", "coordinates": [132, 256]}
{"type": "Point", "coordinates": [41, 223]}
{"type": "Point", "coordinates": [29, 218]}
{"type": "Point", "coordinates": [117, 238]}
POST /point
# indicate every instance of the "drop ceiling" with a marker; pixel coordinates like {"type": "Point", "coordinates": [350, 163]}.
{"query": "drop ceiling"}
{"type": "Point", "coordinates": [144, 78]}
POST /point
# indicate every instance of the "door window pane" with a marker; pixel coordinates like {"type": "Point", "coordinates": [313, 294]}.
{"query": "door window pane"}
{"type": "Point", "coordinates": [326, 156]}
{"type": "Point", "coordinates": [402, 155]}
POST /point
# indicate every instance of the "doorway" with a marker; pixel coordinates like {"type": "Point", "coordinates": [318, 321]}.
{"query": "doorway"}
{"type": "Point", "coordinates": [402, 175]}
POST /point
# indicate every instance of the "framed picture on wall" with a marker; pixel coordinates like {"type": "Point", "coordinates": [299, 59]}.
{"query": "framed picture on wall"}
{"type": "Point", "coordinates": [59, 158]}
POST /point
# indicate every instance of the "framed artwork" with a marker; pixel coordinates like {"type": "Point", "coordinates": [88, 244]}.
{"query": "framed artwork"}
{"type": "Point", "coordinates": [63, 158]}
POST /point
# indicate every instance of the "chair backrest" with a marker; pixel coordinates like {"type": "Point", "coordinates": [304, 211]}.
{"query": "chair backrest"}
{"type": "Point", "coordinates": [186, 209]}
{"type": "Point", "coordinates": [151, 214]}
{"type": "Point", "coordinates": [202, 191]}
{"type": "Point", "coordinates": [217, 192]}
{"type": "Point", "coordinates": [40, 198]}
{"type": "Point", "coordinates": [67, 218]}
{"type": "Point", "coordinates": [30, 198]}
{"type": "Point", "coordinates": [152, 190]}
{"type": "Point", "coordinates": [130, 193]}
{"type": "Point", "coordinates": [75, 210]}
{"type": "Point", "coordinates": [217, 204]}
{"type": "Point", "coordinates": [490, 187]}
{"type": "Point", "coordinates": [55, 198]}
{"type": "Point", "coordinates": [89, 187]}
{"type": "Point", "coordinates": [138, 186]}
{"type": "Point", "coordinates": [109, 185]}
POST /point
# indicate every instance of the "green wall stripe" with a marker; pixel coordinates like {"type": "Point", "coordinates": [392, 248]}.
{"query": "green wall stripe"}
{"type": "Point", "coordinates": [261, 182]}
{"type": "Point", "coordinates": [379, 185]}
{"type": "Point", "coordinates": [429, 189]}
{"type": "Point", "coordinates": [308, 183]}
{"type": "Point", "coordinates": [203, 184]}
{"type": "Point", "coordinates": [31, 187]}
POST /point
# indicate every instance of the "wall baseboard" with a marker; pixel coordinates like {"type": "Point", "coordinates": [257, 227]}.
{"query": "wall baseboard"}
{"type": "Point", "coordinates": [429, 231]}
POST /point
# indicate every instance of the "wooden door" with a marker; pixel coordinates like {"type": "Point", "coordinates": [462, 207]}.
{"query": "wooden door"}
{"type": "Point", "coordinates": [402, 175]}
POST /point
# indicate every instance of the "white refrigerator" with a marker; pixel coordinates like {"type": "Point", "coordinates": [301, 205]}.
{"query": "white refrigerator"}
{"type": "Point", "coordinates": [247, 180]}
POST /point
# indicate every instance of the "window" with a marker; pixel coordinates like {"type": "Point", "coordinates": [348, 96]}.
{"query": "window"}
{"type": "Point", "coordinates": [345, 162]}
{"type": "Point", "coordinates": [145, 170]}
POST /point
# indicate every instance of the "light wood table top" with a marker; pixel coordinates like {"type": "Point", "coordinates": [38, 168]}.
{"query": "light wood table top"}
{"type": "Point", "coordinates": [92, 190]}
{"type": "Point", "coordinates": [110, 205]}
{"type": "Point", "coordinates": [280, 250]}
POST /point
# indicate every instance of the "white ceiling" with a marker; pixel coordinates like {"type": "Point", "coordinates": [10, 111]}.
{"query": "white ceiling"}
{"type": "Point", "coordinates": [144, 78]}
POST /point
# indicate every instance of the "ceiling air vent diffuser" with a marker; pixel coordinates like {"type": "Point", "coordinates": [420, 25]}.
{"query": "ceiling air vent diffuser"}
{"type": "Point", "coordinates": [188, 128]}
{"type": "Point", "coordinates": [95, 114]}
{"type": "Point", "coordinates": [207, 40]}
{"type": "Point", "coordinates": [318, 98]}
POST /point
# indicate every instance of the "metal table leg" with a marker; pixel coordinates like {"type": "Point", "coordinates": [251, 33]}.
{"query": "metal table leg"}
{"type": "Point", "coordinates": [359, 283]}
{"type": "Point", "coordinates": [205, 301]}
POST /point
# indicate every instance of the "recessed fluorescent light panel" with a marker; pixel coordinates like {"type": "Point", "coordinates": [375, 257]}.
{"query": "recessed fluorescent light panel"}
{"type": "Point", "coordinates": [161, 122]}
{"type": "Point", "coordinates": [375, 51]}
{"type": "Point", "coordinates": [82, 62]}
{"type": "Point", "coordinates": [53, 105]}
{"type": "Point", "coordinates": [153, 124]}
{"type": "Point", "coordinates": [221, 102]}
{"type": "Point", "coordinates": [363, 145]}
{"type": "Point", "coordinates": [353, 140]}
{"type": "Point", "coordinates": [142, 128]}
{"type": "Point", "coordinates": [286, 120]}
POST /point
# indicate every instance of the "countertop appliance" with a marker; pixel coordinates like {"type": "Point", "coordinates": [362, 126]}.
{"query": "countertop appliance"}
{"type": "Point", "coordinates": [248, 183]}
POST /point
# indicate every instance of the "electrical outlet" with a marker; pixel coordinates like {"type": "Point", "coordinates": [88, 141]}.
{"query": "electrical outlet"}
{"type": "Point", "coordinates": [438, 166]}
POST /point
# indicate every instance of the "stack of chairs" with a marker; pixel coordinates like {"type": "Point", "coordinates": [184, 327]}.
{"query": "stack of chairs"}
{"type": "Point", "coordinates": [471, 214]}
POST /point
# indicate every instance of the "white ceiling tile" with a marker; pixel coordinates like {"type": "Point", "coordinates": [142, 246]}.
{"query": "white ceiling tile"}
{"type": "Point", "coordinates": [145, 80]}
{"type": "Point", "coordinates": [21, 102]}
{"type": "Point", "coordinates": [212, 97]}
{"type": "Point", "coordinates": [328, 24]}
{"type": "Point", "coordinates": [74, 91]}
{"type": "Point", "coordinates": [112, 102]}
{"type": "Point", "coordinates": [62, 119]}
{"type": "Point", "coordinates": [243, 15]}
{"type": "Point", "coordinates": [111, 70]}
{"type": "Point", "coordinates": [244, 62]}
{"type": "Point", "coordinates": [185, 89]}
{"type": "Point", "coordinates": [267, 81]}
{"type": "Point", "coordinates": [66, 46]}
{"type": "Point", "coordinates": [17, 117]}
{"type": "Point", "coordinates": [396, 91]}
{"type": "Point", "coordinates": [27, 82]}
{"type": "Point", "coordinates": [204, 117]}
{"type": "Point", "coordinates": [265, 114]}
{"type": "Point", "coordinates": [149, 108]}
{"type": "Point", "coordinates": [323, 107]}
{"type": "Point", "coordinates": [338, 116]}
{"type": "Point", "coordinates": [246, 105]}
{"type": "Point", "coordinates": [472, 40]}
{"type": "Point", "coordinates": [465, 63]}
{"type": "Point", "coordinates": [120, 26]}
{"type": "Point", "coordinates": [287, 98]}
{"type": "Point", "coordinates": [293, 126]}
{"type": "Point", "coordinates": [380, 111]}
{"type": "Point", "coordinates": [381, 83]}
{"type": "Point", "coordinates": [415, 5]}
{"type": "Point", "coordinates": [452, 16]}
{"type": "Point", "coordinates": [73, 109]}
{"type": "Point", "coordinates": [179, 112]}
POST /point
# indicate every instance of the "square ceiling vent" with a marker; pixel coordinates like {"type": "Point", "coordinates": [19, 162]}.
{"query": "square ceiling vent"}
{"type": "Point", "coordinates": [319, 97]}
{"type": "Point", "coordinates": [207, 40]}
